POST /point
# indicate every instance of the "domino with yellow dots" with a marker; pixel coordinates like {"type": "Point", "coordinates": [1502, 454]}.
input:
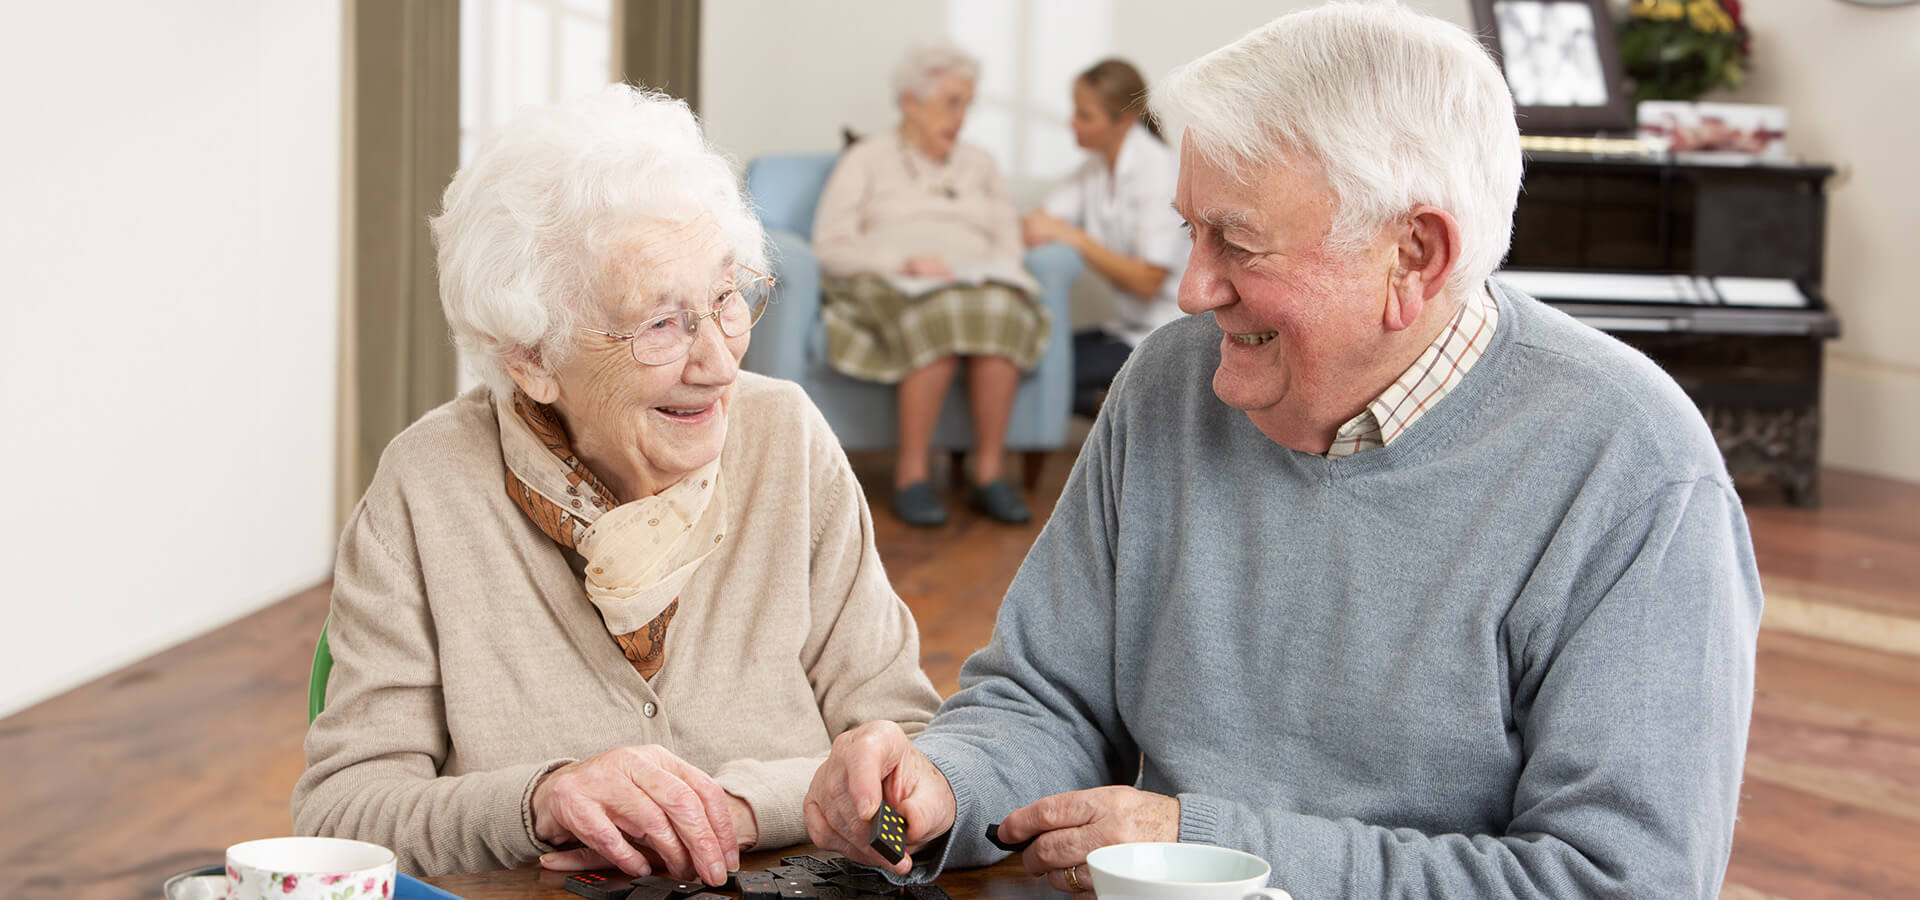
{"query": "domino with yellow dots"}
{"type": "Point", "coordinates": [889, 833]}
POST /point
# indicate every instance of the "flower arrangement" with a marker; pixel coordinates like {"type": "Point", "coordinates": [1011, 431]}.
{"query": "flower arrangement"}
{"type": "Point", "coordinates": [1680, 49]}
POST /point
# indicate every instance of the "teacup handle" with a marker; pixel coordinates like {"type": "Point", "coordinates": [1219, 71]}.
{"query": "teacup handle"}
{"type": "Point", "coordinates": [1274, 893]}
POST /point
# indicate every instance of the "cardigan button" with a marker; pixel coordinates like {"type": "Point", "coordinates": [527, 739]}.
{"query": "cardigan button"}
{"type": "Point", "coordinates": [649, 710]}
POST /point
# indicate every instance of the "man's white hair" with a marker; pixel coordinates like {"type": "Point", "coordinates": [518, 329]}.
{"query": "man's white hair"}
{"type": "Point", "coordinates": [920, 72]}
{"type": "Point", "coordinates": [530, 229]}
{"type": "Point", "coordinates": [1395, 107]}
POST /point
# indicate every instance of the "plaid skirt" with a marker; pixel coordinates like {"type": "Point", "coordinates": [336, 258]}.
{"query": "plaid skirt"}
{"type": "Point", "coordinates": [875, 332]}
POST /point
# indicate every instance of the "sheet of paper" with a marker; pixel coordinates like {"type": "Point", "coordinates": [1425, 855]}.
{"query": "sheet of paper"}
{"type": "Point", "coordinates": [1691, 290]}
{"type": "Point", "coordinates": [1778, 293]}
{"type": "Point", "coordinates": [975, 273]}
{"type": "Point", "coordinates": [1552, 285]}
{"type": "Point", "coordinates": [1629, 323]}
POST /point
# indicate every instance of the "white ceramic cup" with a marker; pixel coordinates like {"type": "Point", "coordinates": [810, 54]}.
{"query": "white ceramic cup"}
{"type": "Point", "coordinates": [309, 868]}
{"type": "Point", "coordinates": [1179, 872]}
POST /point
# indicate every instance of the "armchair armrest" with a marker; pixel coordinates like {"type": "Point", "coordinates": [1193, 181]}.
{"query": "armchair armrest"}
{"type": "Point", "coordinates": [1056, 266]}
{"type": "Point", "coordinates": [1042, 416]}
{"type": "Point", "coordinates": [780, 339]}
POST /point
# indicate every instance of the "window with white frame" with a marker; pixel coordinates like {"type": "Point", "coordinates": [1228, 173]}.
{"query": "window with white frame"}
{"type": "Point", "coordinates": [516, 53]}
{"type": "Point", "coordinates": [1029, 52]}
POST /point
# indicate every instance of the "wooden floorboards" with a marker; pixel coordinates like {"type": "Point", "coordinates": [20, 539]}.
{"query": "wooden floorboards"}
{"type": "Point", "coordinates": [159, 766]}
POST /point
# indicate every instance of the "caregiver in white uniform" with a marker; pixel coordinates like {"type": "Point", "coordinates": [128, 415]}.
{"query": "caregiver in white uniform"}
{"type": "Point", "coordinates": [1117, 210]}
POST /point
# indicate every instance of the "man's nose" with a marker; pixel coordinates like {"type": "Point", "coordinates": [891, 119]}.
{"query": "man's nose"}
{"type": "Point", "coordinates": [1202, 288]}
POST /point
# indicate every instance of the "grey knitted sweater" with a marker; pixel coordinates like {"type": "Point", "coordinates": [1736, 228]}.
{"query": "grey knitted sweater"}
{"type": "Point", "coordinates": [1509, 655]}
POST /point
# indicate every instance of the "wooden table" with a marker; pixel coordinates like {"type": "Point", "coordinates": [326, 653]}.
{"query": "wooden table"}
{"type": "Point", "coordinates": [1006, 881]}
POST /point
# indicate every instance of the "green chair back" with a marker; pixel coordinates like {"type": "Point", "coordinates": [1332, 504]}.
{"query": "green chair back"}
{"type": "Point", "coordinates": [317, 679]}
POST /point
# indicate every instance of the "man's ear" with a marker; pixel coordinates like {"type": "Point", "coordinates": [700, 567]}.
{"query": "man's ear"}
{"type": "Point", "coordinates": [1426, 253]}
{"type": "Point", "coordinates": [533, 377]}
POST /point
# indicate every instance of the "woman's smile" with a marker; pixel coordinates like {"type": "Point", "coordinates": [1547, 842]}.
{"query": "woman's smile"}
{"type": "Point", "coordinates": [690, 415]}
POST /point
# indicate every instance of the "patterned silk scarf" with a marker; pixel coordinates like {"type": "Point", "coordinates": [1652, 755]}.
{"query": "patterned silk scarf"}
{"type": "Point", "coordinates": [639, 554]}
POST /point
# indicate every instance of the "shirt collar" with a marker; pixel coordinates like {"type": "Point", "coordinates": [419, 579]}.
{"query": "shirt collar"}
{"type": "Point", "coordinates": [1439, 369]}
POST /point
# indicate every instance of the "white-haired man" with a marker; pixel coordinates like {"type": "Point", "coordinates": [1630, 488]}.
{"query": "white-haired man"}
{"type": "Point", "coordinates": [1382, 571]}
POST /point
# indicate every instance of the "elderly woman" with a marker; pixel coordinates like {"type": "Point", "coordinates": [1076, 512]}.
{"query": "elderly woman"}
{"type": "Point", "coordinates": [1117, 211]}
{"type": "Point", "coordinates": [921, 248]}
{"type": "Point", "coordinates": [625, 596]}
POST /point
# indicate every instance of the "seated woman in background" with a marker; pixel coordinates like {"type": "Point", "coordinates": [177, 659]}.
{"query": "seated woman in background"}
{"type": "Point", "coordinates": [921, 248]}
{"type": "Point", "coordinates": [625, 595]}
{"type": "Point", "coordinates": [1117, 210]}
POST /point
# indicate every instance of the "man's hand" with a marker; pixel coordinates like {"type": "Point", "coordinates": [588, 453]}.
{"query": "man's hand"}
{"type": "Point", "coordinates": [928, 266]}
{"type": "Point", "coordinates": [869, 764]}
{"type": "Point", "coordinates": [643, 796]}
{"type": "Point", "coordinates": [1073, 824]}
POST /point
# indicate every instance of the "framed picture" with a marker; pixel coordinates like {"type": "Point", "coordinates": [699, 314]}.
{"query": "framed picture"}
{"type": "Point", "coordinates": [1560, 60]}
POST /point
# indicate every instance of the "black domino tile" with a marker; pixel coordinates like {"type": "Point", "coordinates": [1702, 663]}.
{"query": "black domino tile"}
{"type": "Point", "coordinates": [595, 886]}
{"type": "Point", "coordinates": [888, 834]}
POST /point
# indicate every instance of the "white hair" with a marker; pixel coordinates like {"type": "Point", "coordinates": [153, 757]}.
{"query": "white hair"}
{"type": "Point", "coordinates": [1396, 108]}
{"type": "Point", "coordinates": [530, 228]}
{"type": "Point", "coordinates": [920, 72]}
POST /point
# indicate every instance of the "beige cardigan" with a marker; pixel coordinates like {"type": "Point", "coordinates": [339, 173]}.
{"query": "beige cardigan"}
{"type": "Point", "coordinates": [887, 202]}
{"type": "Point", "coordinates": [468, 660]}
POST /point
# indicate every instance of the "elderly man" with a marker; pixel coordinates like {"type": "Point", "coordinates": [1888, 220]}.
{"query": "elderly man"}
{"type": "Point", "coordinates": [1373, 567]}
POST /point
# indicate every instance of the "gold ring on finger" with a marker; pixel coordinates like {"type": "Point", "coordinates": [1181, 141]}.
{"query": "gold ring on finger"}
{"type": "Point", "coordinates": [1073, 879]}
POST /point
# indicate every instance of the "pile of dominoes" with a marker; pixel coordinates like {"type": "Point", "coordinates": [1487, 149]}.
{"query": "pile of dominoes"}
{"type": "Point", "coordinates": [796, 878]}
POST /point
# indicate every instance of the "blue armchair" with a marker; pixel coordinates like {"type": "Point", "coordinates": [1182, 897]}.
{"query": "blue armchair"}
{"type": "Point", "coordinates": [791, 342]}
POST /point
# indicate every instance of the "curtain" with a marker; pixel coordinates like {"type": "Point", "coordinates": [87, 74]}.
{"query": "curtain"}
{"type": "Point", "coordinates": [659, 46]}
{"type": "Point", "coordinates": [403, 136]}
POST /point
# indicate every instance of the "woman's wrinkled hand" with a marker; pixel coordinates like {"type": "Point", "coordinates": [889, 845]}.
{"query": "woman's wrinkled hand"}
{"type": "Point", "coordinates": [587, 859]}
{"type": "Point", "coordinates": [871, 763]}
{"type": "Point", "coordinates": [928, 266]}
{"type": "Point", "coordinates": [634, 799]}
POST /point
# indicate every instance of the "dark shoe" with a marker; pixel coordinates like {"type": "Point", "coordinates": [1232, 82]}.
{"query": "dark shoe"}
{"type": "Point", "coordinates": [916, 504]}
{"type": "Point", "coordinates": [998, 500]}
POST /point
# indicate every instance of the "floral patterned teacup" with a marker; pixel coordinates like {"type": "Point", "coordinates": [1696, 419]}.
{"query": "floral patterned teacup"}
{"type": "Point", "coordinates": [309, 868]}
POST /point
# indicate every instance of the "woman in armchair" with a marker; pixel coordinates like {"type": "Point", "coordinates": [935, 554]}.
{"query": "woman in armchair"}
{"type": "Point", "coordinates": [921, 248]}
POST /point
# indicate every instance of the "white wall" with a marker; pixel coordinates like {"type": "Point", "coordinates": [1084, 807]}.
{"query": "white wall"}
{"type": "Point", "coordinates": [168, 268]}
{"type": "Point", "coordinates": [786, 76]}
{"type": "Point", "coordinates": [1841, 71]}
{"type": "Point", "coordinates": [783, 76]}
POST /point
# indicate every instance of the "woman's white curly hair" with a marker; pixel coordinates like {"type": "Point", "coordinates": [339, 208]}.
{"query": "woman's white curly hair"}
{"type": "Point", "coordinates": [528, 228]}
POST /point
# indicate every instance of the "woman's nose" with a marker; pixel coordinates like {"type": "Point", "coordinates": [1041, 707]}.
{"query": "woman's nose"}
{"type": "Point", "coordinates": [709, 357]}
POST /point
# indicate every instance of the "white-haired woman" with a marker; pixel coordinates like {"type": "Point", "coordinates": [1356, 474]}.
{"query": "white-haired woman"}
{"type": "Point", "coordinates": [1117, 211]}
{"type": "Point", "coordinates": [625, 595]}
{"type": "Point", "coordinates": [921, 246]}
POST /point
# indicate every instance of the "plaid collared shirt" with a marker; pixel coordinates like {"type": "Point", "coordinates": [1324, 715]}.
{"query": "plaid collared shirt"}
{"type": "Point", "coordinates": [1440, 367]}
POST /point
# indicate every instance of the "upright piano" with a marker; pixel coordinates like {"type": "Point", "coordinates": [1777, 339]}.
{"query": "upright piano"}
{"type": "Point", "coordinates": [1714, 271]}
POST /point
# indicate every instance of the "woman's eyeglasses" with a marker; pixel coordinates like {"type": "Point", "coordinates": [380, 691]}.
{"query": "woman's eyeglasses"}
{"type": "Point", "coordinates": [664, 339]}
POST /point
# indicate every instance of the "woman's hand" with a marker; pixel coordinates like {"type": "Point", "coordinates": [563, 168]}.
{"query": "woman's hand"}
{"type": "Point", "coordinates": [1038, 227]}
{"type": "Point", "coordinates": [928, 266]}
{"type": "Point", "coordinates": [869, 764]}
{"type": "Point", "coordinates": [643, 796]}
{"type": "Point", "coordinates": [587, 859]}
